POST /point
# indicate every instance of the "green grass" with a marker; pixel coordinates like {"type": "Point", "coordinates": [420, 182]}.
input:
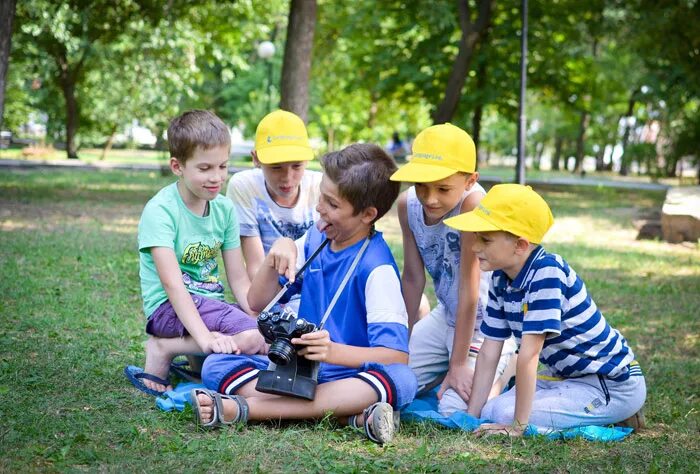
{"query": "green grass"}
{"type": "Point", "coordinates": [70, 319]}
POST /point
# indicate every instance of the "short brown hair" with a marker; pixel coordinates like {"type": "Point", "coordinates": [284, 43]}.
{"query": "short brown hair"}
{"type": "Point", "coordinates": [361, 171]}
{"type": "Point", "coordinates": [196, 129]}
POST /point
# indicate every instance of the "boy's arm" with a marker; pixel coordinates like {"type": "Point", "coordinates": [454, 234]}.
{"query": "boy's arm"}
{"type": "Point", "coordinates": [486, 364]}
{"type": "Point", "coordinates": [171, 278]}
{"type": "Point", "coordinates": [237, 277]}
{"type": "Point", "coordinates": [525, 384]}
{"type": "Point", "coordinates": [387, 331]}
{"type": "Point", "coordinates": [526, 377]}
{"type": "Point", "coordinates": [253, 254]}
{"type": "Point", "coordinates": [459, 375]}
{"type": "Point", "coordinates": [413, 276]}
{"type": "Point", "coordinates": [319, 347]}
{"type": "Point", "coordinates": [281, 260]}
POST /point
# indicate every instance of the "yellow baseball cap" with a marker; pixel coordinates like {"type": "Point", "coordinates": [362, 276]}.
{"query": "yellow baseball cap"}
{"type": "Point", "coordinates": [438, 152]}
{"type": "Point", "coordinates": [513, 208]}
{"type": "Point", "coordinates": [281, 137]}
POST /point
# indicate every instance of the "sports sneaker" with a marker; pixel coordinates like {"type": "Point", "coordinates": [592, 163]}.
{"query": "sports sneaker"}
{"type": "Point", "coordinates": [380, 422]}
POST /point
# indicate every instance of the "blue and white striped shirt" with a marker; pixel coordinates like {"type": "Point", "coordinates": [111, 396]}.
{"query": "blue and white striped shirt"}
{"type": "Point", "coordinates": [547, 297]}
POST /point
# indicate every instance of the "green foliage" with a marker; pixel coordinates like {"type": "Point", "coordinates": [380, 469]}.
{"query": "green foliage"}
{"type": "Point", "coordinates": [378, 67]}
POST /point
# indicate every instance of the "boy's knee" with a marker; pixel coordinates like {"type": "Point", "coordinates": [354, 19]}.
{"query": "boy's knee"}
{"type": "Point", "coordinates": [397, 382]}
{"type": "Point", "coordinates": [451, 403]}
{"type": "Point", "coordinates": [499, 410]}
{"type": "Point", "coordinates": [250, 341]}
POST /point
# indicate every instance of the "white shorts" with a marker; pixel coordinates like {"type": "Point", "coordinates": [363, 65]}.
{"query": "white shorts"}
{"type": "Point", "coordinates": [429, 351]}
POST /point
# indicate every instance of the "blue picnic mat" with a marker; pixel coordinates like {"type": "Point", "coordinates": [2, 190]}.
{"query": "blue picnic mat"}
{"type": "Point", "coordinates": [178, 397]}
{"type": "Point", "coordinates": [425, 408]}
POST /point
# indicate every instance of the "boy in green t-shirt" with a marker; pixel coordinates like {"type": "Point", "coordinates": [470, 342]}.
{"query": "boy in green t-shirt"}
{"type": "Point", "coordinates": [182, 230]}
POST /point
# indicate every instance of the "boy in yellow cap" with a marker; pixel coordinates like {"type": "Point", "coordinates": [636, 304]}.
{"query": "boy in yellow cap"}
{"type": "Point", "coordinates": [444, 343]}
{"type": "Point", "coordinates": [278, 198]}
{"type": "Point", "coordinates": [591, 376]}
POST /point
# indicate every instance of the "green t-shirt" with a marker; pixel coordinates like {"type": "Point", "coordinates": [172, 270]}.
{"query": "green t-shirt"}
{"type": "Point", "coordinates": [167, 222]}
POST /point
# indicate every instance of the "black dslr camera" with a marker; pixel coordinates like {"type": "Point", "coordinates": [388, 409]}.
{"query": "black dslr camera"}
{"type": "Point", "coordinates": [287, 374]}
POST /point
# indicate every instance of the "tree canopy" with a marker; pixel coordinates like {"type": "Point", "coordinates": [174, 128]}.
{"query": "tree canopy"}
{"type": "Point", "coordinates": [605, 78]}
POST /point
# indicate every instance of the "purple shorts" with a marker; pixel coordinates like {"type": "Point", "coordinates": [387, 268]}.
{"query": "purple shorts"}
{"type": "Point", "coordinates": [218, 316]}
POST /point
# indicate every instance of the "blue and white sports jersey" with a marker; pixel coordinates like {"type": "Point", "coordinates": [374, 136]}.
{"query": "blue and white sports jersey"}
{"type": "Point", "coordinates": [547, 297]}
{"type": "Point", "coordinates": [260, 216]}
{"type": "Point", "coordinates": [370, 311]}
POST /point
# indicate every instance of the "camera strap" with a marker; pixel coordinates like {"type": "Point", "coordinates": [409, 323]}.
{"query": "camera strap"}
{"type": "Point", "coordinates": [286, 286]}
{"type": "Point", "coordinates": [347, 276]}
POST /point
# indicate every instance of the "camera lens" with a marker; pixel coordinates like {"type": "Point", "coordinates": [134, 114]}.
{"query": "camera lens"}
{"type": "Point", "coordinates": [281, 351]}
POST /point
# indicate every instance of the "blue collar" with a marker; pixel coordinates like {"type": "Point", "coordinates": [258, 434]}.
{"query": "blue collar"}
{"type": "Point", "coordinates": [521, 280]}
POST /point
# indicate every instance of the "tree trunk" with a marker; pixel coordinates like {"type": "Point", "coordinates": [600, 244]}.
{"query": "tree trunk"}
{"type": "Point", "coordinates": [373, 108]}
{"type": "Point", "coordinates": [476, 130]}
{"type": "Point", "coordinates": [600, 159]}
{"type": "Point", "coordinates": [580, 141]}
{"type": "Point", "coordinates": [626, 134]}
{"type": "Point", "coordinates": [539, 150]}
{"type": "Point", "coordinates": [297, 57]}
{"type": "Point", "coordinates": [472, 33]}
{"type": "Point", "coordinates": [558, 145]}
{"type": "Point", "coordinates": [68, 87]}
{"type": "Point", "coordinates": [7, 15]}
{"type": "Point", "coordinates": [110, 141]}
{"type": "Point", "coordinates": [67, 80]}
{"type": "Point", "coordinates": [479, 109]}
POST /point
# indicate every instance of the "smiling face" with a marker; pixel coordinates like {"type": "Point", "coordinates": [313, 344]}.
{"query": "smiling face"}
{"type": "Point", "coordinates": [338, 218]}
{"type": "Point", "coordinates": [440, 197]}
{"type": "Point", "coordinates": [500, 250]}
{"type": "Point", "coordinates": [202, 176]}
{"type": "Point", "coordinates": [283, 181]}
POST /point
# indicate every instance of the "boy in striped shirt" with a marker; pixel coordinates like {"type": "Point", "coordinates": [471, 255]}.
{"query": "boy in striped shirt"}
{"type": "Point", "coordinates": [591, 376]}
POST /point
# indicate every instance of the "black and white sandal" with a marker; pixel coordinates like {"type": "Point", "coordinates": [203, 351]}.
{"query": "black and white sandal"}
{"type": "Point", "coordinates": [218, 407]}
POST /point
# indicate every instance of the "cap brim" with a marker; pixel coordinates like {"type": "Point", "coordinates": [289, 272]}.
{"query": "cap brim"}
{"type": "Point", "coordinates": [421, 173]}
{"type": "Point", "coordinates": [284, 154]}
{"type": "Point", "coordinates": [470, 222]}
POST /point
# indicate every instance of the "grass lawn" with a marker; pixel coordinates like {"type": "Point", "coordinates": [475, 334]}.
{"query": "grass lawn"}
{"type": "Point", "coordinates": [70, 319]}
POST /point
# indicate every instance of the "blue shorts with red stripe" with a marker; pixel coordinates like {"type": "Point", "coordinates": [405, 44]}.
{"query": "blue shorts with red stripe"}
{"type": "Point", "coordinates": [394, 384]}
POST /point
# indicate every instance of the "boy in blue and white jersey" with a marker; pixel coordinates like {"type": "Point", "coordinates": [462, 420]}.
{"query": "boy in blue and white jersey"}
{"type": "Point", "coordinates": [591, 376]}
{"type": "Point", "coordinates": [363, 347]}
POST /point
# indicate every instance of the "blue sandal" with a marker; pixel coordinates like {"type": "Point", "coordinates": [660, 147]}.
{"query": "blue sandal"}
{"type": "Point", "coordinates": [136, 374]}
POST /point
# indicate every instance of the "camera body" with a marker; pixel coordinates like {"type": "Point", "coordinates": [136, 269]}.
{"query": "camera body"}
{"type": "Point", "coordinates": [287, 374]}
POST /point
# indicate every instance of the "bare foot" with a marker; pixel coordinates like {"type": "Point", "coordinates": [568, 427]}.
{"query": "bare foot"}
{"type": "Point", "coordinates": [157, 363]}
{"type": "Point", "coordinates": [206, 408]}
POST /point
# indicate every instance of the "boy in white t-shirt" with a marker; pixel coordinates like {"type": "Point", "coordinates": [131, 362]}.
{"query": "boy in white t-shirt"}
{"type": "Point", "coordinates": [279, 197]}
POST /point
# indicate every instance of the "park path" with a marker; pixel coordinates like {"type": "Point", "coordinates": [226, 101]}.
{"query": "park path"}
{"type": "Point", "coordinates": [484, 179]}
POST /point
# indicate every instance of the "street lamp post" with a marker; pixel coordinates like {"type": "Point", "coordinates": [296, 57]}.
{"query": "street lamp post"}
{"type": "Point", "coordinates": [522, 117]}
{"type": "Point", "coordinates": [266, 49]}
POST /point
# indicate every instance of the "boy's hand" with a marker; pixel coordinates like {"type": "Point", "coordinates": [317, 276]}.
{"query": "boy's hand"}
{"type": "Point", "coordinates": [488, 429]}
{"type": "Point", "coordinates": [317, 345]}
{"type": "Point", "coordinates": [222, 344]}
{"type": "Point", "coordinates": [459, 378]}
{"type": "Point", "coordinates": [283, 257]}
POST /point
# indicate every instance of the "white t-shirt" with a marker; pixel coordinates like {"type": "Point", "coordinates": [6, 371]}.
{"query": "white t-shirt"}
{"type": "Point", "coordinates": [260, 216]}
